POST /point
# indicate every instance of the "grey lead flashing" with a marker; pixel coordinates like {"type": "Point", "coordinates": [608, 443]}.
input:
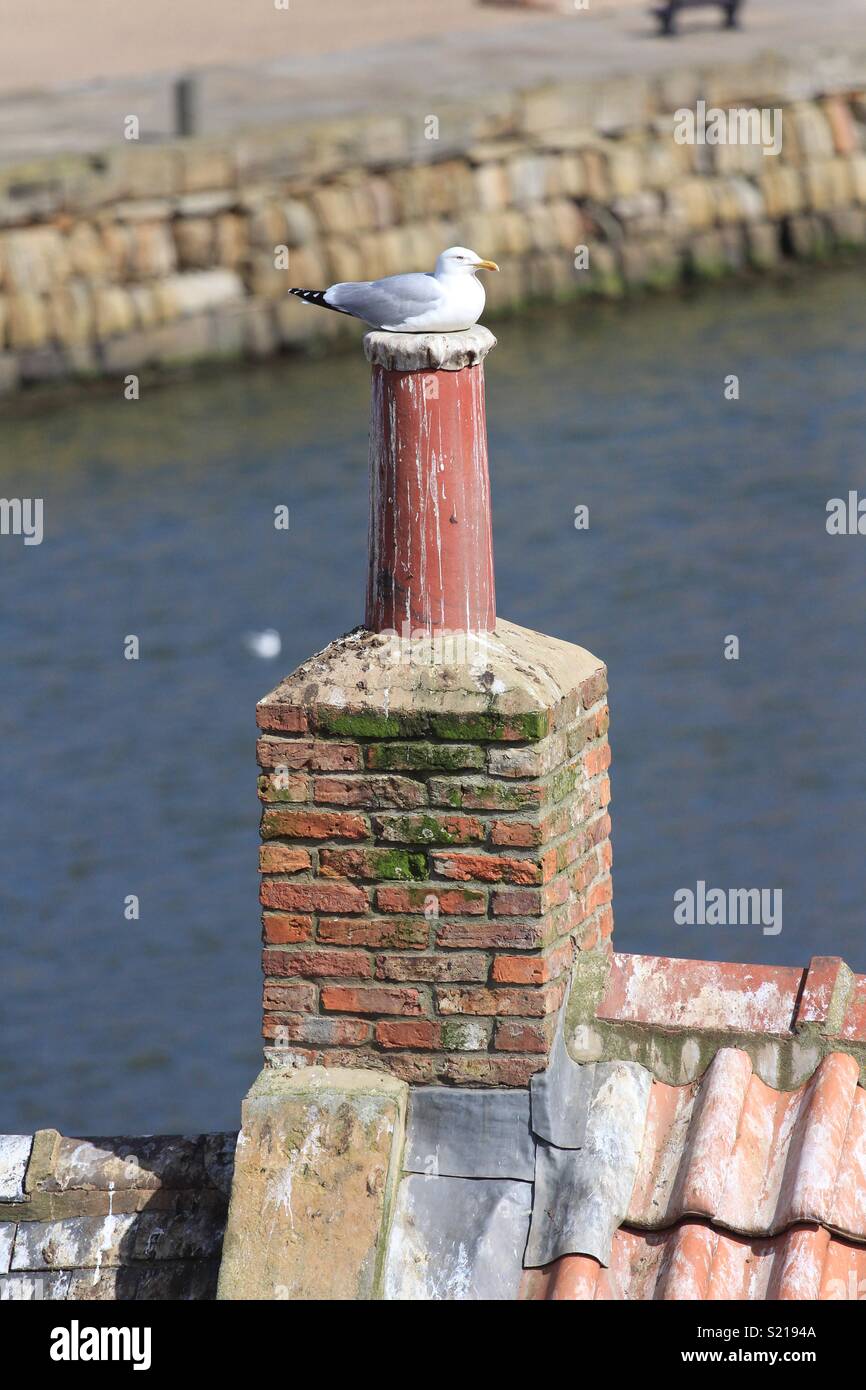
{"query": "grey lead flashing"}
{"type": "Point", "coordinates": [499, 1180]}
{"type": "Point", "coordinates": [462, 1133]}
{"type": "Point", "coordinates": [581, 1195]}
{"type": "Point", "coordinates": [457, 1239]}
{"type": "Point", "coordinates": [561, 1095]}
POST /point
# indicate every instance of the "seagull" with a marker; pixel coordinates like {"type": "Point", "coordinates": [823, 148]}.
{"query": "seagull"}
{"type": "Point", "coordinates": [445, 301]}
{"type": "Point", "coordinates": [267, 644]}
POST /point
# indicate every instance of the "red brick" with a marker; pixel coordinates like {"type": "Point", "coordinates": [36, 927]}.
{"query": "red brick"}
{"type": "Point", "coordinates": [559, 857]}
{"type": "Point", "coordinates": [518, 1036]}
{"type": "Point", "coordinates": [422, 1033]}
{"type": "Point", "coordinates": [433, 968]}
{"type": "Point", "coordinates": [475, 999]}
{"type": "Point", "coordinates": [283, 929]}
{"type": "Point", "coordinates": [431, 828]}
{"type": "Point", "coordinates": [370, 792]}
{"type": "Point", "coordinates": [593, 688]}
{"type": "Point", "coordinates": [598, 829]}
{"type": "Point", "coordinates": [599, 894]}
{"type": "Point", "coordinates": [605, 924]}
{"type": "Point", "coordinates": [314, 825]}
{"type": "Point", "coordinates": [372, 999]}
{"type": "Point", "coordinates": [321, 1032]}
{"type": "Point", "coordinates": [489, 868]}
{"type": "Point", "coordinates": [478, 794]}
{"type": "Point", "coordinates": [417, 1068]}
{"type": "Point", "coordinates": [556, 892]}
{"type": "Point", "coordinates": [317, 754]}
{"type": "Point", "coordinates": [490, 936]}
{"type": "Point", "coordinates": [353, 965]}
{"type": "Point", "coordinates": [283, 859]}
{"type": "Point", "coordinates": [581, 875]}
{"type": "Point", "coordinates": [287, 719]}
{"type": "Point", "coordinates": [524, 834]}
{"type": "Point", "coordinates": [482, 1069]}
{"type": "Point", "coordinates": [604, 791]}
{"type": "Point", "coordinates": [601, 721]}
{"type": "Point", "coordinates": [294, 998]}
{"type": "Point", "coordinates": [535, 760]}
{"type": "Point", "coordinates": [596, 759]}
{"type": "Point", "coordinates": [596, 931]}
{"type": "Point", "coordinates": [388, 932]}
{"type": "Point", "coordinates": [372, 863]}
{"type": "Point", "coordinates": [451, 902]}
{"type": "Point", "coordinates": [522, 902]}
{"type": "Point", "coordinates": [291, 786]}
{"type": "Point", "coordinates": [313, 897]}
{"type": "Point", "coordinates": [532, 970]}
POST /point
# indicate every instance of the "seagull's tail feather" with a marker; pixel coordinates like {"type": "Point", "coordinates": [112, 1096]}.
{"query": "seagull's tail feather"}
{"type": "Point", "coordinates": [318, 297]}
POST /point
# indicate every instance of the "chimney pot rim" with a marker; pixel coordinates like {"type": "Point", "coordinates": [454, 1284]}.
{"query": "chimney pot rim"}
{"type": "Point", "coordinates": [428, 352]}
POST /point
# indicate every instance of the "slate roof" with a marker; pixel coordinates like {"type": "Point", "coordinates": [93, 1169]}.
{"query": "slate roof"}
{"type": "Point", "coordinates": [604, 1181]}
{"type": "Point", "coordinates": [112, 1218]}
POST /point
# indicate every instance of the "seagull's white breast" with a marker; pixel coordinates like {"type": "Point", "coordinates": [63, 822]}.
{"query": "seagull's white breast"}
{"type": "Point", "coordinates": [459, 304]}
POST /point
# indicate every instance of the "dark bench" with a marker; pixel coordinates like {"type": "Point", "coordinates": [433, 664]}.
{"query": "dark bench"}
{"type": "Point", "coordinates": [667, 13]}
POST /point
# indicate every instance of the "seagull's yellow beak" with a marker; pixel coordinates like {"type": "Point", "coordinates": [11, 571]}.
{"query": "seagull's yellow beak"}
{"type": "Point", "coordinates": [487, 265]}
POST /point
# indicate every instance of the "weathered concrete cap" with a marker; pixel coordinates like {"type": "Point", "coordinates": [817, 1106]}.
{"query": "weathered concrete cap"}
{"type": "Point", "coordinates": [411, 683]}
{"type": "Point", "coordinates": [429, 352]}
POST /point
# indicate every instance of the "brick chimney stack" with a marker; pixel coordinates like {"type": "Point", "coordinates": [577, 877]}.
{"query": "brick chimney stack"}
{"type": "Point", "coordinates": [435, 830]}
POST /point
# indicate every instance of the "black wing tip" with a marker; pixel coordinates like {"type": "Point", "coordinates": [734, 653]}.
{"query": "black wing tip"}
{"type": "Point", "coordinates": [317, 297]}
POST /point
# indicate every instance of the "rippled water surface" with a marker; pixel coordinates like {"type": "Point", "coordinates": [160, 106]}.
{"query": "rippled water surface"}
{"type": "Point", "coordinates": [120, 777]}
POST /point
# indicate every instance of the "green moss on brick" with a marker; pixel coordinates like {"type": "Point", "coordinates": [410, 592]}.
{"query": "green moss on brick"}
{"type": "Point", "coordinates": [368, 725]}
{"type": "Point", "coordinates": [492, 726]}
{"type": "Point", "coordinates": [406, 934]}
{"type": "Point", "coordinates": [425, 830]}
{"type": "Point", "coordinates": [485, 795]}
{"type": "Point", "coordinates": [268, 792]}
{"type": "Point", "coordinates": [562, 782]}
{"type": "Point", "coordinates": [424, 757]}
{"type": "Point", "coordinates": [396, 864]}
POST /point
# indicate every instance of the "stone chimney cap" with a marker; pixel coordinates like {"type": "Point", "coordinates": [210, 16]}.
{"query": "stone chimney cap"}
{"type": "Point", "coordinates": [429, 352]}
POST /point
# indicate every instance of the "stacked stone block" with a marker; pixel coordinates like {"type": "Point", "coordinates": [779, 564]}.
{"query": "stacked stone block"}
{"type": "Point", "coordinates": [163, 254]}
{"type": "Point", "coordinates": [429, 869]}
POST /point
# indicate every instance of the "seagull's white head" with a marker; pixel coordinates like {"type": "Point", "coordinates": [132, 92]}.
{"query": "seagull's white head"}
{"type": "Point", "coordinates": [459, 260]}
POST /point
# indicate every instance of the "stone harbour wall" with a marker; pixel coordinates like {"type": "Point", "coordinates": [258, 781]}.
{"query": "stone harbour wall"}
{"type": "Point", "coordinates": [153, 255]}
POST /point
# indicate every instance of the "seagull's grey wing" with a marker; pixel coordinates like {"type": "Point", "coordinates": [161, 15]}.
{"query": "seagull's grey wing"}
{"type": "Point", "coordinates": [388, 301]}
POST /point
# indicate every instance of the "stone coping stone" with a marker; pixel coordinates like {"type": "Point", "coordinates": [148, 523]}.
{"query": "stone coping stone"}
{"type": "Point", "coordinates": [408, 688]}
{"type": "Point", "coordinates": [316, 1168]}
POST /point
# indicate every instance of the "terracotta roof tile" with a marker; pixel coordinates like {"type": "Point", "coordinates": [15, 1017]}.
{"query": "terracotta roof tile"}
{"type": "Point", "coordinates": [695, 1260]}
{"type": "Point", "coordinates": [701, 1131]}
{"type": "Point", "coordinates": [723, 997]}
{"type": "Point", "coordinates": [754, 1159]}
